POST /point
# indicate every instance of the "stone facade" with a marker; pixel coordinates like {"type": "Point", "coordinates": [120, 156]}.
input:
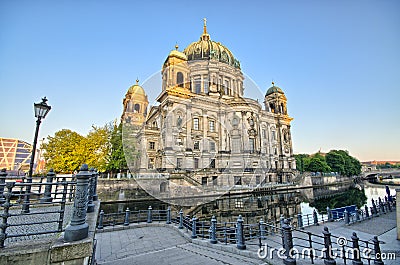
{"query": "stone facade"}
{"type": "Point", "coordinates": [204, 132]}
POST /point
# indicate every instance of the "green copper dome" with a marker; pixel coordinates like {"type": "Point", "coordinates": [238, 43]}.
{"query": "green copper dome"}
{"type": "Point", "coordinates": [206, 49]}
{"type": "Point", "coordinates": [274, 89]}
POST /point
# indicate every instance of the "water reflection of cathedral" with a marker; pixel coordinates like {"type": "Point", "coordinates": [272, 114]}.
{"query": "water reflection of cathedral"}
{"type": "Point", "coordinates": [204, 132]}
{"type": "Point", "coordinates": [269, 207]}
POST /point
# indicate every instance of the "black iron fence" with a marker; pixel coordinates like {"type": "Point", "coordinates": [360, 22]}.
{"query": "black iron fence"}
{"type": "Point", "coordinates": [41, 206]}
{"type": "Point", "coordinates": [288, 234]}
{"type": "Point", "coordinates": [349, 214]}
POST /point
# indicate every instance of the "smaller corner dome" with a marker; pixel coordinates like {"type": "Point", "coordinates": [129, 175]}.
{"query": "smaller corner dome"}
{"type": "Point", "coordinates": [136, 89]}
{"type": "Point", "coordinates": [178, 54]}
{"type": "Point", "coordinates": [274, 89]}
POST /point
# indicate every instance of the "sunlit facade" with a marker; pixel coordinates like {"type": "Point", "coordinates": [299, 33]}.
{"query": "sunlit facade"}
{"type": "Point", "coordinates": [204, 131]}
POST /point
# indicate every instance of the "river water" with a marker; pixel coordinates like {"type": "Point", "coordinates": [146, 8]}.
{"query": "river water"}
{"type": "Point", "coordinates": [269, 206]}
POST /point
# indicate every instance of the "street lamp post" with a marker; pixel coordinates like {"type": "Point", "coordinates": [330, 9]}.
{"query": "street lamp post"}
{"type": "Point", "coordinates": [41, 110]}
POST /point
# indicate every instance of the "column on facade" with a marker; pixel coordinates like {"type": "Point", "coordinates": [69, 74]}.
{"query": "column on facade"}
{"type": "Point", "coordinates": [170, 156]}
{"type": "Point", "coordinates": [204, 128]}
{"type": "Point", "coordinates": [259, 134]}
{"type": "Point", "coordinates": [144, 156]}
{"type": "Point", "coordinates": [189, 142]}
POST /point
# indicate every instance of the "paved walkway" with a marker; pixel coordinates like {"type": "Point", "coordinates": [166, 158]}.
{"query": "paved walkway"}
{"type": "Point", "coordinates": [159, 245]}
{"type": "Point", "coordinates": [32, 223]}
{"type": "Point", "coordinates": [383, 226]}
{"type": "Point", "coordinates": [165, 244]}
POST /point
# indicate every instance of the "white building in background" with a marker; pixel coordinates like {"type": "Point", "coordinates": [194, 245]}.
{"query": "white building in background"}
{"type": "Point", "coordinates": [204, 132]}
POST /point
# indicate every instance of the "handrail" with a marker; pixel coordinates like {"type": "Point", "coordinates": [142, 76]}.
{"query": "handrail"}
{"type": "Point", "coordinates": [289, 231]}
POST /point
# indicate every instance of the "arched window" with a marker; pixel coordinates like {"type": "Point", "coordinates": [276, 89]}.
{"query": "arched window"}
{"type": "Point", "coordinates": [179, 122]}
{"type": "Point", "coordinates": [272, 107]}
{"type": "Point", "coordinates": [163, 187]}
{"type": "Point", "coordinates": [179, 79]}
{"type": "Point", "coordinates": [137, 107]}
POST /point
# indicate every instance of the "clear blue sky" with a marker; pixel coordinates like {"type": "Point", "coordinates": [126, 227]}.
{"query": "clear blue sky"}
{"type": "Point", "coordinates": [337, 61]}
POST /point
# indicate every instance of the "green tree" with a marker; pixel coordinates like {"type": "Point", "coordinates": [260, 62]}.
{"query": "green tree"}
{"type": "Point", "coordinates": [316, 164]}
{"type": "Point", "coordinates": [98, 146]}
{"type": "Point", "coordinates": [67, 150]}
{"type": "Point", "coordinates": [116, 159]}
{"type": "Point", "coordinates": [336, 161]}
{"type": "Point", "coordinates": [64, 152]}
{"type": "Point", "coordinates": [300, 158]}
{"type": "Point", "coordinates": [352, 166]}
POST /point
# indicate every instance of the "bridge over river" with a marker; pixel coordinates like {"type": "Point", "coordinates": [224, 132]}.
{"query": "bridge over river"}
{"type": "Point", "coordinates": [384, 173]}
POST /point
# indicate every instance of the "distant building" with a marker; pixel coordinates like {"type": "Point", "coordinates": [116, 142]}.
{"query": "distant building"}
{"type": "Point", "coordinates": [374, 165]}
{"type": "Point", "coordinates": [15, 155]}
{"type": "Point", "coordinates": [204, 131]}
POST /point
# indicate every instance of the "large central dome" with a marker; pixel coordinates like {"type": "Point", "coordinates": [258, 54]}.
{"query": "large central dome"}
{"type": "Point", "coordinates": [207, 49]}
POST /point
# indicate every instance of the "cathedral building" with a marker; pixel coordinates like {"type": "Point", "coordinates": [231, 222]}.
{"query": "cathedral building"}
{"type": "Point", "coordinates": [203, 131]}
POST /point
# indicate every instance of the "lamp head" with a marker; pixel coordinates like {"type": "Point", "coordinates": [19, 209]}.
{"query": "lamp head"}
{"type": "Point", "coordinates": [41, 109]}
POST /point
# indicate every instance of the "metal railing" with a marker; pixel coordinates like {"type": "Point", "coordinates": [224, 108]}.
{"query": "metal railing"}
{"type": "Point", "coordinates": [46, 216]}
{"type": "Point", "coordinates": [43, 206]}
{"type": "Point", "coordinates": [349, 214]}
{"type": "Point", "coordinates": [287, 233]}
{"type": "Point", "coordinates": [331, 247]}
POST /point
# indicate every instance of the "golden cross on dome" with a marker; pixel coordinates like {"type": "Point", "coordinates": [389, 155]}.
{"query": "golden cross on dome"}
{"type": "Point", "coordinates": [205, 25]}
{"type": "Point", "coordinates": [137, 81]}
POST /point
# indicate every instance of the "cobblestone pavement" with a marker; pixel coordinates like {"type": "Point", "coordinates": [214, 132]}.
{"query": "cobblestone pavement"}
{"type": "Point", "coordinates": [383, 226]}
{"type": "Point", "coordinates": [166, 244]}
{"type": "Point", "coordinates": [159, 245]}
{"type": "Point", "coordinates": [26, 223]}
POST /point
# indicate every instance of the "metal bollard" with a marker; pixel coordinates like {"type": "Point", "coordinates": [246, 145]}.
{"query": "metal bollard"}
{"type": "Point", "coordinates": [356, 250]}
{"type": "Point", "coordinates": [328, 248]}
{"type": "Point", "coordinates": [239, 233]}
{"type": "Point", "coordinates": [180, 219]}
{"type": "Point", "coordinates": [346, 217]}
{"type": "Point", "coordinates": [47, 190]}
{"type": "Point", "coordinates": [127, 214]}
{"type": "Point", "coordinates": [96, 176]}
{"type": "Point", "coordinates": [381, 206]}
{"type": "Point", "coordinates": [375, 213]}
{"type": "Point", "coordinates": [100, 226]}
{"type": "Point", "coordinates": [194, 235]}
{"type": "Point", "coordinates": [282, 220]}
{"type": "Point", "coordinates": [213, 231]}
{"type": "Point", "coordinates": [149, 215]}
{"type": "Point", "coordinates": [330, 216]}
{"type": "Point", "coordinates": [300, 221]}
{"type": "Point", "coordinates": [315, 216]}
{"type": "Point", "coordinates": [90, 206]}
{"type": "Point", "coordinates": [78, 228]}
{"type": "Point", "coordinates": [3, 175]}
{"type": "Point", "coordinates": [262, 229]}
{"type": "Point", "coordinates": [169, 215]}
{"type": "Point", "coordinates": [357, 215]}
{"type": "Point", "coordinates": [5, 215]}
{"type": "Point", "coordinates": [377, 250]}
{"type": "Point", "coordinates": [288, 243]}
{"type": "Point", "coordinates": [366, 211]}
{"type": "Point", "coordinates": [387, 202]}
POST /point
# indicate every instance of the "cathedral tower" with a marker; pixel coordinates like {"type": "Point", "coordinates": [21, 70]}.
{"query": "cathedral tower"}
{"type": "Point", "coordinates": [135, 105]}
